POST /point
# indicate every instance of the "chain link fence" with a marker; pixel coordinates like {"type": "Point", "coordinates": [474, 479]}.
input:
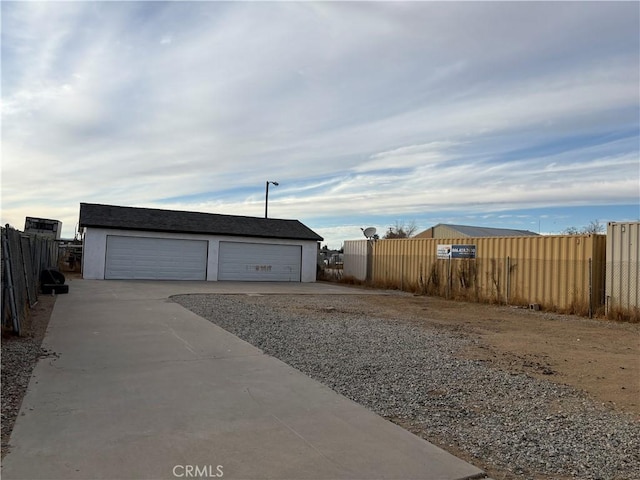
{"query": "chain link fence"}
{"type": "Point", "coordinates": [622, 298]}
{"type": "Point", "coordinates": [23, 258]}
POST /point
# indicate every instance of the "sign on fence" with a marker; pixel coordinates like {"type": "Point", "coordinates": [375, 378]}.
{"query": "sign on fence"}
{"type": "Point", "coordinates": [463, 251]}
{"type": "Point", "coordinates": [445, 252]}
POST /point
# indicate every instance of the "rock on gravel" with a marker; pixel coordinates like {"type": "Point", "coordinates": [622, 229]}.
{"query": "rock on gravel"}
{"type": "Point", "coordinates": [505, 422]}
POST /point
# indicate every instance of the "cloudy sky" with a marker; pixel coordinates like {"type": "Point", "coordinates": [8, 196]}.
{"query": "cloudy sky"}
{"type": "Point", "coordinates": [513, 115]}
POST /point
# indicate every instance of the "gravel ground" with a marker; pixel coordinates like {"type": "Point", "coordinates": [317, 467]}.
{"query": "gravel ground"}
{"type": "Point", "coordinates": [512, 425]}
{"type": "Point", "coordinates": [19, 357]}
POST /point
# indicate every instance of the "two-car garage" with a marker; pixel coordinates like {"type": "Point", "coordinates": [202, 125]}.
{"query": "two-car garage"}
{"type": "Point", "coordinates": [178, 259]}
{"type": "Point", "coordinates": [140, 243]}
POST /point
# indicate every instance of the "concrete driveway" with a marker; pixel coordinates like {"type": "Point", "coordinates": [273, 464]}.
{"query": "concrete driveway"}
{"type": "Point", "coordinates": [143, 388]}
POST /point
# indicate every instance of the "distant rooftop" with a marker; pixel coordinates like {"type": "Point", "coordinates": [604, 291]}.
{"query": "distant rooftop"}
{"type": "Point", "coordinates": [443, 230]}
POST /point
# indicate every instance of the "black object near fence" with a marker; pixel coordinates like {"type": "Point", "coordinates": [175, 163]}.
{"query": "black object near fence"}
{"type": "Point", "coordinates": [24, 258]}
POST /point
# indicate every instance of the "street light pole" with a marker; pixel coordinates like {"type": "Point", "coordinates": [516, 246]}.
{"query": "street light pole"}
{"type": "Point", "coordinates": [266, 196]}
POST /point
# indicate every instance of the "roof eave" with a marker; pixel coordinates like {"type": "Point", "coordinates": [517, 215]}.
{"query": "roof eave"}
{"type": "Point", "coordinates": [317, 238]}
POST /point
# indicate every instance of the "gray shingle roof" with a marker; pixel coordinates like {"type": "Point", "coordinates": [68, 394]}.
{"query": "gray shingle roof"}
{"type": "Point", "coordinates": [156, 220]}
{"type": "Point", "coordinates": [491, 232]}
{"type": "Point", "coordinates": [479, 232]}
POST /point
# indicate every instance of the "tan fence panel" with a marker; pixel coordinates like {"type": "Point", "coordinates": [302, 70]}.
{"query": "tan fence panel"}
{"type": "Point", "coordinates": [560, 272]}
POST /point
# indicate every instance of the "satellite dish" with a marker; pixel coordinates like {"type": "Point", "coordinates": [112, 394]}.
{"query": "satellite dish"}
{"type": "Point", "coordinates": [369, 232]}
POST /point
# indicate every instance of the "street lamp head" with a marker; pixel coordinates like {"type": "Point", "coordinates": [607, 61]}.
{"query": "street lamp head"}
{"type": "Point", "coordinates": [266, 196]}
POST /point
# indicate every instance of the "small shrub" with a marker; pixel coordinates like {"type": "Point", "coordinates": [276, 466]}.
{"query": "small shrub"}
{"type": "Point", "coordinates": [351, 280]}
{"type": "Point", "coordinates": [619, 314]}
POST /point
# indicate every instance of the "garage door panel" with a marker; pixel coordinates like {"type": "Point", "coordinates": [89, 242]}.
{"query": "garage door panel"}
{"type": "Point", "coordinates": [259, 262]}
{"type": "Point", "coordinates": [155, 258]}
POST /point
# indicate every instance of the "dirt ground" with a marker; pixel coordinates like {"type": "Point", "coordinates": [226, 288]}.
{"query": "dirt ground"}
{"type": "Point", "coordinates": [598, 356]}
{"type": "Point", "coordinates": [19, 357]}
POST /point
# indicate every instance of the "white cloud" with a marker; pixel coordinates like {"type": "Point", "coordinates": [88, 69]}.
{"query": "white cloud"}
{"type": "Point", "coordinates": [385, 109]}
{"type": "Point", "coordinates": [407, 157]}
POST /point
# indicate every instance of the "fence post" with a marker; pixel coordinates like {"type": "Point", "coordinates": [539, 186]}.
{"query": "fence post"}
{"type": "Point", "coordinates": [10, 287]}
{"type": "Point", "coordinates": [369, 267]}
{"type": "Point", "coordinates": [508, 287]}
{"type": "Point", "coordinates": [449, 279]}
{"type": "Point", "coordinates": [590, 288]}
{"type": "Point", "coordinates": [27, 276]}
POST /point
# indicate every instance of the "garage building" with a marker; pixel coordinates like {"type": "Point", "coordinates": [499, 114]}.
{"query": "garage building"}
{"type": "Point", "coordinates": [146, 243]}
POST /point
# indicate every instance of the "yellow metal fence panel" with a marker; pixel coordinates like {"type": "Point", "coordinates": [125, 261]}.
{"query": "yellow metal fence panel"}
{"type": "Point", "coordinates": [559, 272]}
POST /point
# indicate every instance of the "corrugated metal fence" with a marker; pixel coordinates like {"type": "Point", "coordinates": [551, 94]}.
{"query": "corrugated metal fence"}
{"type": "Point", "coordinates": [23, 258]}
{"type": "Point", "coordinates": [565, 273]}
{"type": "Point", "coordinates": [357, 255]}
{"type": "Point", "coordinates": [623, 267]}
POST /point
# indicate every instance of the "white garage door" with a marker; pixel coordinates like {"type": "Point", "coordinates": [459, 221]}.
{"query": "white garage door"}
{"type": "Point", "coordinates": [259, 262]}
{"type": "Point", "coordinates": [155, 258]}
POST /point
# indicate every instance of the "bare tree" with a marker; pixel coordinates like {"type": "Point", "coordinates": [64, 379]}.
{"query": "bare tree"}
{"type": "Point", "coordinates": [401, 230]}
{"type": "Point", "coordinates": [571, 231]}
{"type": "Point", "coordinates": [594, 227]}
